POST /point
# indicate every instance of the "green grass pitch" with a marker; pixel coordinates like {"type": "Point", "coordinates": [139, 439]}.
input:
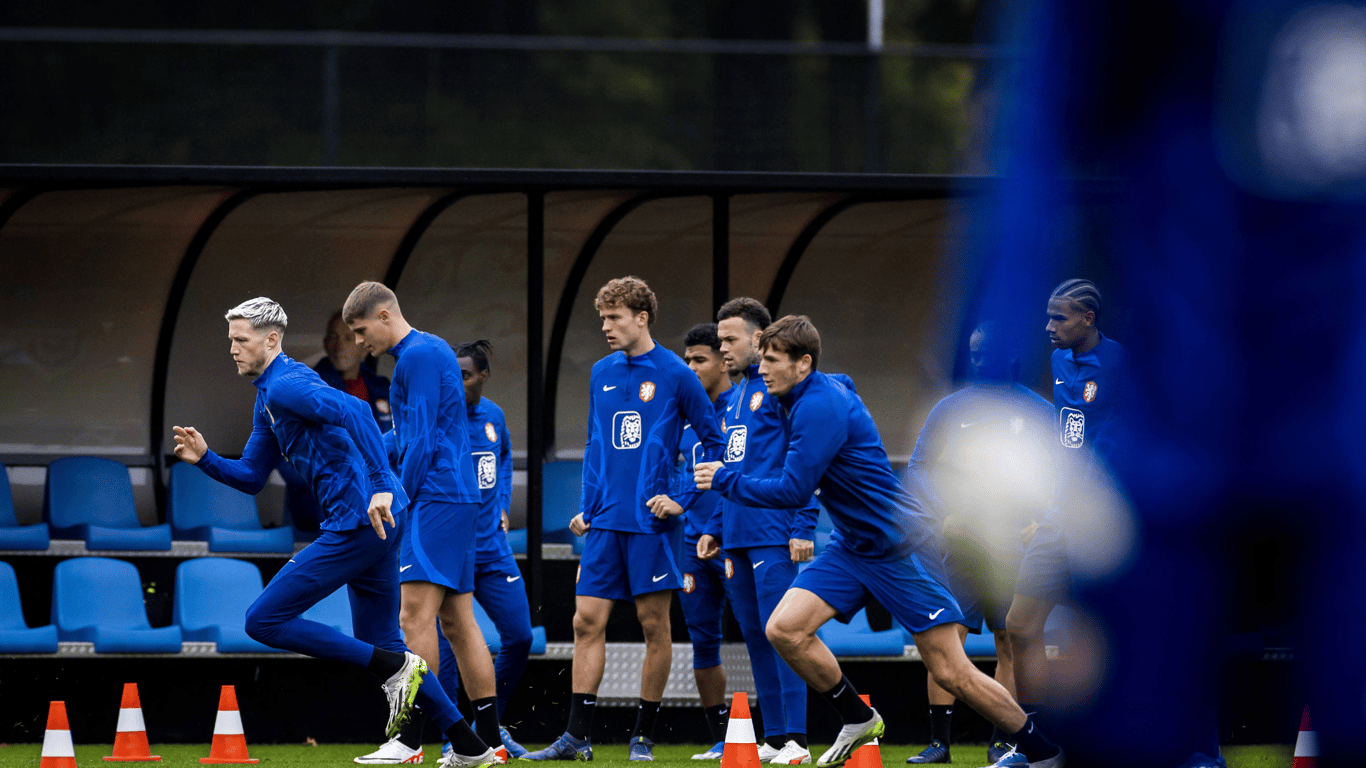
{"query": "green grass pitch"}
{"type": "Point", "coordinates": [673, 755]}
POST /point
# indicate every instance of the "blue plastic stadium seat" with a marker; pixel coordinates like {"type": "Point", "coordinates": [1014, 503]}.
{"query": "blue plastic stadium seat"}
{"type": "Point", "coordinates": [858, 639]}
{"type": "Point", "coordinates": [92, 499]}
{"type": "Point", "coordinates": [983, 644]}
{"type": "Point", "coordinates": [491, 637]}
{"type": "Point", "coordinates": [517, 540]}
{"type": "Point", "coordinates": [203, 509]}
{"type": "Point", "coordinates": [12, 534]}
{"type": "Point", "coordinates": [15, 635]}
{"type": "Point", "coordinates": [212, 595]}
{"type": "Point", "coordinates": [334, 611]}
{"type": "Point", "coordinates": [561, 492]}
{"type": "Point", "coordinates": [537, 641]}
{"type": "Point", "coordinates": [99, 600]}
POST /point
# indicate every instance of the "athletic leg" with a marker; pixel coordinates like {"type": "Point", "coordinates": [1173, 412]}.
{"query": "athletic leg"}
{"type": "Point", "coordinates": [771, 582]}
{"type": "Point", "coordinates": [764, 660]}
{"type": "Point", "coordinates": [502, 594]}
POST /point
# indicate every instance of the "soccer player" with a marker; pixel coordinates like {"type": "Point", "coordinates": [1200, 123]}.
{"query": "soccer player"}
{"type": "Point", "coordinates": [498, 582]}
{"type": "Point", "coordinates": [885, 547]}
{"type": "Point", "coordinates": [331, 439]}
{"type": "Point", "coordinates": [1090, 385]}
{"type": "Point", "coordinates": [436, 565]}
{"type": "Point", "coordinates": [640, 397]}
{"type": "Point", "coordinates": [763, 542]}
{"type": "Point", "coordinates": [704, 581]}
{"type": "Point", "coordinates": [981, 467]}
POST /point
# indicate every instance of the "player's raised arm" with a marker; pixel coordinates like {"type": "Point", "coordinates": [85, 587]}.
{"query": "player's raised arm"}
{"type": "Point", "coordinates": [818, 431]}
{"type": "Point", "coordinates": [248, 474]}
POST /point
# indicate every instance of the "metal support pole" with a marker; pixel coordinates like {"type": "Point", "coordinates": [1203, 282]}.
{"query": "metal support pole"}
{"type": "Point", "coordinates": [331, 124]}
{"type": "Point", "coordinates": [535, 393]}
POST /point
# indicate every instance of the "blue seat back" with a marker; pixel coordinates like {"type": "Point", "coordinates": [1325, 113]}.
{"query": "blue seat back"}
{"type": "Point", "coordinates": [214, 591]}
{"type": "Point", "coordinates": [334, 611]}
{"type": "Point", "coordinates": [561, 492]}
{"type": "Point", "coordinates": [89, 490]}
{"type": "Point", "coordinates": [196, 500]}
{"type": "Point", "coordinates": [11, 610]}
{"type": "Point", "coordinates": [97, 591]}
{"type": "Point", "coordinates": [7, 516]}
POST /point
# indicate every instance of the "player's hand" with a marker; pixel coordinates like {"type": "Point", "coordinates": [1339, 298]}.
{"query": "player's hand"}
{"type": "Point", "coordinates": [507, 524]}
{"type": "Point", "coordinates": [703, 473]}
{"type": "Point", "coordinates": [189, 444]}
{"type": "Point", "coordinates": [380, 514]}
{"type": "Point", "coordinates": [708, 546]}
{"type": "Point", "coordinates": [801, 549]}
{"type": "Point", "coordinates": [577, 526]}
{"type": "Point", "coordinates": [663, 507]}
{"type": "Point", "coordinates": [1027, 533]}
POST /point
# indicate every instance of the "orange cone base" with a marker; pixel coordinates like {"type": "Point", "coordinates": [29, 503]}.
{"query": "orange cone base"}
{"type": "Point", "coordinates": [868, 755]}
{"type": "Point", "coordinates": [139, 759]}
{"type": "Point", "coordinates": [222, 760]}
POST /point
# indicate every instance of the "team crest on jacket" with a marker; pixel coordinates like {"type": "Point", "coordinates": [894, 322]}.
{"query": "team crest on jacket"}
{"type": "Point", "coordinates": [382, 406]}
{"type": "Point", "coordinates": [627, 431]}
{"type": "Point", "coordinates": [730, 568]}
{"type": "Point", "coordinates": [647, 391]}
{"type": "Point", "coordinates": [735, 443]}
{"type": "Point", "coordinates": [689, 583]}
{"type": "Point", "coordinates": [755, 400]}
{"type": "Point", "coordinates": [1072, 427]}
{"type": "Point", "coordinates": [490, 432]}
{"type": "Point", "coordinates": [1089, 392]}
{"type": "Point", "coordinates": [486, 467]}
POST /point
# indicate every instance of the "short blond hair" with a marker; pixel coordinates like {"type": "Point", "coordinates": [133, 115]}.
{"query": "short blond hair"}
{"type": "Point", "coordinates": [364, 299]}
{"type": "Point", "coordinates": [630, 292]}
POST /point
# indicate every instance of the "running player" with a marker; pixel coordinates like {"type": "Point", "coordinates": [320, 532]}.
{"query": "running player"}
{"type": "Point", "coordinates": [886, 548]}
{"type": "Point", "coordinates": [331, 439]}
{"type": "Point", "coordinates": [640, 397]}
{"type": "Point", "coordinates": [437, 560]}
{"type": "Point", "coordinates": [1090, 382]}
{"type": "Point", "coordinates": [977, 467]}
{"type": "Point", "coordinates": [763, 543]}
{"type": "Point", "coordinates": [704, 581]}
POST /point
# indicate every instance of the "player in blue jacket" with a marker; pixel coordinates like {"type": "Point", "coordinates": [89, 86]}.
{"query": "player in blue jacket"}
{"type": "Point", "coordinates": [763, 544]}
{"type": "Point", "coordinates": [704, 581]}
{"type": "Point", "coordinates": [498, 584]}
{"type": "Point", "coordinates": [1091, 385]}
{"type": "Point", "coordinates": [436, 564]}
{"type": "Point", "coordinates": [331, 439]}
{"type": "Point", "coordinates": [982, 466]}
{"type": "Point", "coordinates": [886, 548]}
{"type": "Point", "coordinates": [640, 398]}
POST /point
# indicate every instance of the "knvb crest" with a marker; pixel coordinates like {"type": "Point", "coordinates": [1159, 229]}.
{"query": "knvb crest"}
{"type": "Point", "coordinates": [1089, 392]}
{"type": "Point", "coordinates": [486, 467]}
{"type": "Point", "coordinates": [490, 432]}
{"type": "Point", "coordinates": [735, 443]}
{"type": "Point", "coordinates": [626, 430]}
{"type": "Point", "coordinates": [730, 568]}
{"type": "Point", "coordinates": [1072, 424]}
{"type": "Point", "coordinates": [647, 391]}
{"type": "Point", "coordinates": [756, 400]}
{"type": "Point", "coordinates": [689, 583]}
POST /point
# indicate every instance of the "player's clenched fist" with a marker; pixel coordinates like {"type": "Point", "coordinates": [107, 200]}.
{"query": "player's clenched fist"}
{"type": "Point", "coordinates": [189, 444]}
{"type": "Point", "coordinates": [703, 473]}
{"type": "Point", "coordinates": [663, 507]}
{"type": "Point", "coordinates": [577, 526]}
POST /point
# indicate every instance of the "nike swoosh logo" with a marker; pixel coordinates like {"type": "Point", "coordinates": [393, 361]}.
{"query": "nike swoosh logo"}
{"type": "Point", "coordinates": [761, 562]}
{"type": "Point", "coordinates": [606, 388]}
{"type": "Point", "coordinates": [935, 615]}
{"type": "Point", "coordinates": [403, 568]}
{"type": "Point", "coordinates": [968, 424]}
{"type": "Point", "coordinates": [513, 578]}
{"type": "Point", "coordinates": [291, 560]}
{"type": "Point", "coordinates": [660, 577]}
{"type": "Point", "coordinates": [1057, 381]}
{"type": "Point", "coordinates": [589, 703]}
{"type": "Point", "coordinates": [486, 706]}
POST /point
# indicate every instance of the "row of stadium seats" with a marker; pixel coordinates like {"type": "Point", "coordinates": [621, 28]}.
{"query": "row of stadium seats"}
{"type": "Point", "coordinates": [99, 600]}
{"type": "Point", "coordinates": [91, 499]}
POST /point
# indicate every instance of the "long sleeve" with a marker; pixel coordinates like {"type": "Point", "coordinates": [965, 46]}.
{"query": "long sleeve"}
{"type": "Point", "coordinates": [589, 487]}
{"type": "Point", "coordinates": [259, 457]}
{"type": "Point", "coordinates": [504, 467]}
{"type": "Point", "coordinates": [417, 421]}
{"type": "Point", "coordinates": [929, 446]}
{"type": "Point", "coordinates": [699, 411]}
{"type": "Point", "coordinates": [391, 449]}
{"type": "Point", "coordinates": [331, 406]}
{"type": "Point", "coordinates": [804, 521]}
{"type": "Point", "coordinates": [818, 432]}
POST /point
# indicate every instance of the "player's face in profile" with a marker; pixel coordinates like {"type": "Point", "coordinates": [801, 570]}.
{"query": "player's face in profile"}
{"type": "Point", "coordinates": [341, 348]}
{"type": "Point", "coordinates": [990, 360]}
{"type": "Point", "coordinates": [737, 344]}
{"type": "Point", "coordinates": [1067, 327]}
{"type": "Point", "coordinates": [781, 373]}
{"type": "Point", "coordinates": [622, 327]}
{"type": "Point", "coordinates": [474, 380]}
{"type": "Point", "coordinates": [250, 347]}
{"type": "Point", "coordinates": [372, 333]}
{"type": "Point", "coordinates": [706, 363]}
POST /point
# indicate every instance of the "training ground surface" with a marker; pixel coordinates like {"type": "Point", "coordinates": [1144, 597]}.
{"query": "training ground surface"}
{"type": "Point", "coordinates": [674, 755]}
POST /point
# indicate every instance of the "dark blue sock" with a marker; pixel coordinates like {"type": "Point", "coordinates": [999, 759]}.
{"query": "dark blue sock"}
{"type": "Point", "coordinates": [1030, 742]}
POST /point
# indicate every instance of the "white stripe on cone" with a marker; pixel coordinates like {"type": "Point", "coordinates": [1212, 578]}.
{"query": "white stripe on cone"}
{"type": "Point", "coordinates": [740, 731]}
{"type": "Point", "coordinates": [228, 723]}
{"type": "Point", "coordinates": [1307, 744]}
{"type": "Point", "coordinates": [131, 720]}
{"type": "Point", "coordinates": [58, 744]}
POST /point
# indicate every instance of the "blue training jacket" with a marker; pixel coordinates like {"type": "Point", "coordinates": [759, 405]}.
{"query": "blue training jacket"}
{"type": "Point", "coordinates": [756, 444]}
{"type": "Point", "coordinates": [834, 445]}
{"type": "Point", "coordinates": [704, 504]}
{"type": "Point", "coordinates": [428, 397]}
{"type": "Point", "coordinates": [491, 449]}
{"type": "Point", "coordinates": [1088, 390]}
{"type": "Point", "coordinates": [328, 436]}
{"type": "Point", "coordinates": [637, 408]}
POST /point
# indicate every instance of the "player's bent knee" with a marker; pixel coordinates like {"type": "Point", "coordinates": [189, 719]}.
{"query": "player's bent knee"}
{"type": "Point", "coordinates": [588, 626]}
{"type": "Point", "coordinates": [261, 626]}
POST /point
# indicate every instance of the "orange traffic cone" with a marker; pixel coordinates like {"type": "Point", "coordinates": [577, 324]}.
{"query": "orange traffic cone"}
{"type": "Point", "coordinates": [868, 755]}
{"type": "Point", "coordinates": [740, 751]}
{"type": "Point", "coordinates": [1306, 744]}
{"type": "Point", "coordinates": [58, 751]}
{"type": "Point", "coordinates": [229, 743]}
{"type": "Point", "coordinates": [130, 742]}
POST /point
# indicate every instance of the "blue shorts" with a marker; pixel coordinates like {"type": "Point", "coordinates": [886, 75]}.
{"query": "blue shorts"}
{"type": "Point", "coordinates": [983, 590]}
{"type": "Point", "coordinates": [617, 565]}
{"type": "Point", "coordinates": [1045, 573]}
{"type": "Point", "coordinates": [439, 545]}
{"type": "Point", "coordinates": [704, 602]}
{"type": "Point", "coordinates": [913, 588]}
